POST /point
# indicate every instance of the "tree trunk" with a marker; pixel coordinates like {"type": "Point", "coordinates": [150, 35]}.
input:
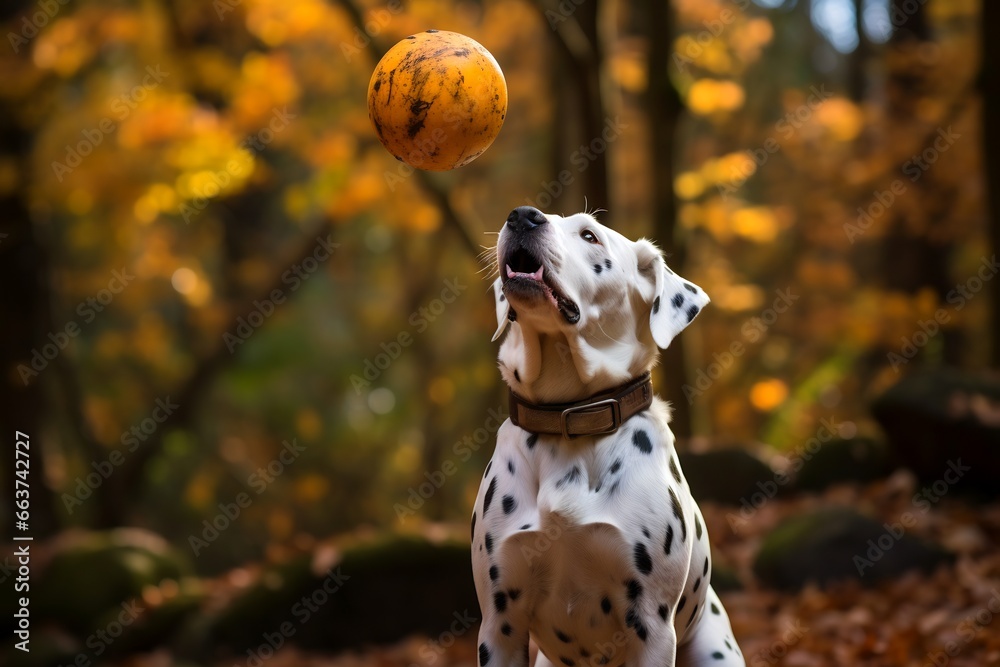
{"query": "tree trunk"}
{"type": "Point", "coordinates": [26, 307]}
{"type": "Point", "coordinates": [595, 178]}
{"type": "Point", "coordinates": [990, 82]}
{"type": "Point", "coordinates": [858, 60]}
{"type": "Point", "coordinates": [663, 108]}
{"type": "Point", "coordinates": [577, 44]}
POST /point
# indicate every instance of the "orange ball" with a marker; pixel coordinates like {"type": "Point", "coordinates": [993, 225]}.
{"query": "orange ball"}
{"type": "Point", "coordinates": [437, 100]}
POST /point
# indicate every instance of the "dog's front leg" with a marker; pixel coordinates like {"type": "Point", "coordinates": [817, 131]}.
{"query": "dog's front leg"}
{"type": "Point", "coordinates": [657, 645]}
{"type": "Point", "coordinates": [500, 644]}
{"type": "Point", "coordinates": [661, 650]}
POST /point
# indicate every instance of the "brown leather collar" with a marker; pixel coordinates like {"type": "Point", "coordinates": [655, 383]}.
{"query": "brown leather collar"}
{"type": "Point", "coordinates": [598, 415]}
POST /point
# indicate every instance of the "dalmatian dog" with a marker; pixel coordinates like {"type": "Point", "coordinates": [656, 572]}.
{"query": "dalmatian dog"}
{"type": "Point", "coordinates": [585, 537]}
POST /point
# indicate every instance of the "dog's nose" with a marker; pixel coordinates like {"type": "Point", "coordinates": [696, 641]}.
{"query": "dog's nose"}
{"type": "Point", "coordinates": [525, 219]}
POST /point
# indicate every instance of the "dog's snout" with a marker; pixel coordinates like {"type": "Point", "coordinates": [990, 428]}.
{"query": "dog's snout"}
{"type": "Point", "coordinates": [525, 219]}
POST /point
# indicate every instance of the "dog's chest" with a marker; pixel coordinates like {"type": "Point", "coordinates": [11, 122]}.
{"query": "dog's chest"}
{"type": "Point", "coordinates": [585, 540]}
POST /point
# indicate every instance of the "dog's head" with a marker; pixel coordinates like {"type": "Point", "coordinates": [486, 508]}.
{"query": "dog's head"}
{"type": "Point", "coordinates": [587, 308]}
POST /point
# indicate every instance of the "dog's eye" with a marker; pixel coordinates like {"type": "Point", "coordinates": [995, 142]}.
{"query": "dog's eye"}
{"type": "Point", "coordinates": [589, 237]}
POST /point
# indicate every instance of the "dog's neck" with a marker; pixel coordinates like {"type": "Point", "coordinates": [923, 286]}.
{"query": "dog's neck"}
{"type": "Point", "coordinates": [551, 368]}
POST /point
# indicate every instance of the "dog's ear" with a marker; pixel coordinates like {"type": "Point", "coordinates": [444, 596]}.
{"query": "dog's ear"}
{"type": "Point", "coordinates": [503, 308]}
{"type": "Point", "coordinates": [674, 302]}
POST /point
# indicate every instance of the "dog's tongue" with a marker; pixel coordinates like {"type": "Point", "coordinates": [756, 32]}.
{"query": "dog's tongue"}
{"type": "Point", "coordinates": [537, 275]}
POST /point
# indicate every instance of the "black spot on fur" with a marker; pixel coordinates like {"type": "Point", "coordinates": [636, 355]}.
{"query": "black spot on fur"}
{"type": "Point", "coordinates": [645, 531]}
{"type": "Point", "coordinates": [704, 570]}
{"type": "Point", "coordinates": [676, 504]}
{"type": "Point", "coordinates": [494, 572]}
{"type": "Point", "coordinates": [692, 312]}
{"type": "Point", "coordinates": [697, 584]}
{"type": "Point", "coordinates": [569, 478]}
{"type": "Point", "coordinates": [634, 589]}
{"type": "Point", "coordinates": [488, 498]}
{"type": "Point", "coordinates": [605, 605]}
{"type": "Point", "coordinates": [680, 605]}
{"type": "Point", "coordinates": [674, 470]}
{"type": "Point", "coordinates": [472, 530]}
{"type": "Point", "coordinates": [662, 611]}
{"type": "Point", "coordinates": [500, 601]}
{"type": "Point", "coordinates": [607, 263]}
{"type": "Point", "coordinates": [509, 504]}
{"type": "Point", "coordinates": [562, 636]}
{"type": "Point", "coordinates": [715, 610]}
{"type": "Point", "coordinates": [510, 466]}
{"type": "Point", "coordinates": [694, 612]}
{"type": "Point", "coordinates": [614, 488]}
{"type": "Point", "coordinates": [517, 376]}
{"type": "Point", "coordinates": [488, 466]}
{"type": "Point", "coordinates": [633, 621]}
{"type": "Point", "coordinates": [503, 298]}
{"type": "Point", "coordinates": [690, 288]}
{"type": "Point", "coordinates": [643, 562]}
{"type": "Point", "coordinates": [641, 440]}
{"type": "Point", "coordinates": [526, 526]}
{"type": "Point", "coordinates": [656, 305]}
{"type": "Point", "coordinates": [484, 655]}
{"type": "Point", "coordinates": [678, 300]}
{"type": "Point", "coordinates": [669, 541]}
{"type": "Point", "coordinates": [718, 655]}
{"type": "Point", "coordinates": [697, 527]}
{"type": "Point", "coordinates": [489, 543]}
{"type": "Point", "coordinates": [514, 593]}
{"type": "Point", "coordinates": [584, 653]}
{"type": "Point", "coordinates": [566, 661]}
{"type": "Point", "coordinates": [532, 439]}
{"type": "Point", "coordinates": [505, 629]}
{"type": "Point", "coordinates": [598, 268]}
{"type": "Point", "coordinates": [616, 466]}
{"type": "Point", "coordinates": [726, 641]}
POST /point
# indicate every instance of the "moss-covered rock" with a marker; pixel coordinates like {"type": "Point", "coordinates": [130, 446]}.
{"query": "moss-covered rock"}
{"type": "Point", "coordinates": [730, 475]}
{"type": "Point", "coordinates": [725, 579]}
{"type": "Point", "coordinates": [853, 460]}
{"type": "Point", "coordinates": [91, 574]}
{"type": "Point", "coordinates": [838, 543]}
{"type": "Point", "coordinates": [378, 590]}
{"type": "Point", "coordinates": [937, 415]}
{"type": "Point", "coordinates": [127, 584]}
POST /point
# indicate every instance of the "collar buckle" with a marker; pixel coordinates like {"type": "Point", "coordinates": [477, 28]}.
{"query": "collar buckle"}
{"type": "Point", "coordinates": [588, 408]}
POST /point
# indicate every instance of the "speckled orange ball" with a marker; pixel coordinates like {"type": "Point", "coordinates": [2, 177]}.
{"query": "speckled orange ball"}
{"type": "Point", "coordinates": [437, 100]}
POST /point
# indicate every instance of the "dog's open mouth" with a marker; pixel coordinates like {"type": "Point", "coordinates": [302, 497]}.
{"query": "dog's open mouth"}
{"type": "Point", "coordinates": [524, 276]}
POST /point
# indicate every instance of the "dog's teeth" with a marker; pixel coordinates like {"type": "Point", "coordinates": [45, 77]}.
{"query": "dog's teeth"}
{"type": "Point", "coordinates": [510, 271]}
{"type": "Point", "coordinates": [537, 275]}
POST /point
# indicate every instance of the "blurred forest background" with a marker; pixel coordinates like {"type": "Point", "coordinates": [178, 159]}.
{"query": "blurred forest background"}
{"type": "Point", "coordinates": [249, 347]}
